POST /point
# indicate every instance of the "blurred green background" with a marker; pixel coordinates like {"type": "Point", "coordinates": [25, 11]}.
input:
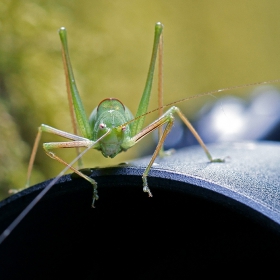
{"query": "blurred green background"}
{"type": "Point", "coordinates": [208, 45]}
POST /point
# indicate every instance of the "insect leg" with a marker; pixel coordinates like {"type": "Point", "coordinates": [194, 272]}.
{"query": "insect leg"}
{"type": "Point", "coordinates": [76, 143]}
{"type": "Point", "coordinates": [167, 118]}
{"type": "Point", "coordinates": [48, 129]}
{"type": "Point", "coordinates": [196, 135]}
{"type": "Point", "coordinates": [86, 143]}
{"type": "Point", "coordinates": [156, 152]}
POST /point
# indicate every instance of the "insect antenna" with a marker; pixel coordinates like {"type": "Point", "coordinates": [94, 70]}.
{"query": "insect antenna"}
{"type": "Point", "coordinates": [21, 216]}
{"type": "Point", "coordinates": [202, 94]}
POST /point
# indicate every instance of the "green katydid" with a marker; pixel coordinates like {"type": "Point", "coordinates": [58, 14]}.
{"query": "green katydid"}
{"type": "Point", "coordinates": [111, 127]}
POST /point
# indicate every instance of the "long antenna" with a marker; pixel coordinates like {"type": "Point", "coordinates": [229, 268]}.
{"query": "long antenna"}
{"type": "Point", "coordinates": [204, 94]}
{"type": "Point", "coordinates": [20, 217]}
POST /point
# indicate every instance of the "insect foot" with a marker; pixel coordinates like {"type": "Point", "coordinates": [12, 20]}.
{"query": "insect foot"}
{"type": "Point", "coordinates": [145, 186]}
{"type": "Point", "coordinates": [13, 191]}
{"type": "Point", "coordinates": [95, 194]}
{"type": "Point", "coordinates": [166, 153]}
{"type": "Point", "coordinates": [217, 160]}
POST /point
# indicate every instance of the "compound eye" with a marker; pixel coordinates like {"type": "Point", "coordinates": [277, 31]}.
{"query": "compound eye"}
{"type": "Point", "coordinates": [102, 125]}
{"type": "Point", "coordinates": [123, 128]}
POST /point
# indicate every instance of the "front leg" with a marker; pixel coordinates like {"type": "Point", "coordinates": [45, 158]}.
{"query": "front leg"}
{"type": "Point", "coordinates": [74, 144]}
{"type": "Point", "coordinates": [48, 146]}
{"type": "Point", "coordinates": [166, 118]}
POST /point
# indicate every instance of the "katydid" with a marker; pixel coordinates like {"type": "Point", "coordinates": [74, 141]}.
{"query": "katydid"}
{"type": "Point", "coordinates": [111, 127]}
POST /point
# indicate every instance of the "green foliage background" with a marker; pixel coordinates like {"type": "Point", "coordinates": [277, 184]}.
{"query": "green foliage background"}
{"type": "Point", "coordinates": [208, 45]}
